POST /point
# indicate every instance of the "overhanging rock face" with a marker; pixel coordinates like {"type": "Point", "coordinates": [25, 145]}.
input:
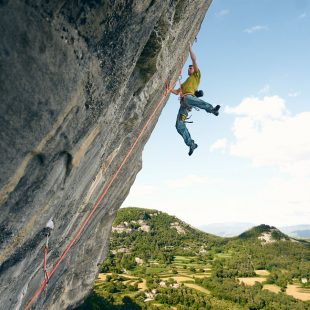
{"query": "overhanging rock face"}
{"type": "Point", "coordinates": [78, 80]}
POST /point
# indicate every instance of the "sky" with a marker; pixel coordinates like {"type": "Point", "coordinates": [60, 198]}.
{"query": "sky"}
{"type": "Point", "coordinates": [252, 163]}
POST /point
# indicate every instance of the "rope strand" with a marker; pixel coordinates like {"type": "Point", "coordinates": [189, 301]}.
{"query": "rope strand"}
{"type": "Point", "coordinates": [102, 195]}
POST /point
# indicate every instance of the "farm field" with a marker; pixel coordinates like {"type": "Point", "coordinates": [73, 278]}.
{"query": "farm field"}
{"type": "Point", "coordinates": [298, 292]}
{"type": "Point", "coordinates": [171, 265]}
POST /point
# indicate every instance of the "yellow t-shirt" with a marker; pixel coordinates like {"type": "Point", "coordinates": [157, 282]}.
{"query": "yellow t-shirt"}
{"type": "Point", "coordinates": [191, 84]}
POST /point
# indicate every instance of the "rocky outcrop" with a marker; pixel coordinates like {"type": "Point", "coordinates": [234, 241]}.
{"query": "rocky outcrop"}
{"type": "Point", "coordinates": [178, 228]}
{"type": "Point", "coordinates": [78, 80]}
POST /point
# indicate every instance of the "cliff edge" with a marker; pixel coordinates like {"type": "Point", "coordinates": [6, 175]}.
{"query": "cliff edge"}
{"type": "Point", "coordinates": [78, 80]}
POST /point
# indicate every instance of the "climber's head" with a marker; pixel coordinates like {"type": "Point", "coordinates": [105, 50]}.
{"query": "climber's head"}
{"type": "Point", "coordinates": [190, 69]}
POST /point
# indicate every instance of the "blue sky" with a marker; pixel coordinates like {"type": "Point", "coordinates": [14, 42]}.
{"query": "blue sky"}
{"type": "Point", "coordinates": [252, 163]}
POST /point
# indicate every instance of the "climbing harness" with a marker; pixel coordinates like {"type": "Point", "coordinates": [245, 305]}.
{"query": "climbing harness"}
{"type": "Point", "coordinates": [187, 107]}
{"type": "Point", "coordinates": [47, 276]}
{"type": "Point", "coordinates": [184, 104]}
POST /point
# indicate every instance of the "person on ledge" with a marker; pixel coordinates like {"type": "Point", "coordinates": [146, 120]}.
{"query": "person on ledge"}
{"type": "Point", "coordinates": [188, 99]}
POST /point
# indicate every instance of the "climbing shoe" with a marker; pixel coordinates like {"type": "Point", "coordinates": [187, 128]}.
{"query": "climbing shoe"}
{"type": "Point", "coordinates": [215, 110]}
{"type": "Point", "coordinates": [191, 148]}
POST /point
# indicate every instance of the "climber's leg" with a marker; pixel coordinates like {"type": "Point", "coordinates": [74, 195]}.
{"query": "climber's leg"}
{"type": "Point", "coordinates": [193, 101]}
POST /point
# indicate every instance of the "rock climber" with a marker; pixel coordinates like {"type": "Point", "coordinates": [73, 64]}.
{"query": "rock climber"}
{"type": "Point", "coordinates": [188, 100]}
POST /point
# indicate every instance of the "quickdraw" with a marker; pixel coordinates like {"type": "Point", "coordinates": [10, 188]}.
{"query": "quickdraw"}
{"type": "Point", "coordinates": [184, 118]}
{"type": "Point", "coordinates": [46, 276]}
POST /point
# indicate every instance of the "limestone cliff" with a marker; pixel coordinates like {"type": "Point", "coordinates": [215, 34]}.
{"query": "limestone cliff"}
{"type": "Point", "coordinates": [78, 80]}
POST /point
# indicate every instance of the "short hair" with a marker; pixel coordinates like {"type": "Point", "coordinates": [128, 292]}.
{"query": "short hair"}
{"type": "Point", "coordinates": [190, 66]}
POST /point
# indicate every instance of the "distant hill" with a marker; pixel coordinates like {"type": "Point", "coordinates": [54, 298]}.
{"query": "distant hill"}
{"type": "Point", "coordinates": [155, 235]}
{"type": "Point", "coordinates": [232, 229]}
{"type": "Point", "coordinates": [157, 261]}
{"type": "Point", "coordinates": [297, 231]}
{"type": "Point", "coordinates": [150, 233]}
{"type": "Point", "coordinates": [265, 233]}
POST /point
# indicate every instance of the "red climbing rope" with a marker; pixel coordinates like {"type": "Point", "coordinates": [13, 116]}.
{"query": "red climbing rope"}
{"type": "Point", "coordinates": [47, 275]}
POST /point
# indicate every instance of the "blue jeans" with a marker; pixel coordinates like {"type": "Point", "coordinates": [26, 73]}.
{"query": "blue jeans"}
{"type": "Point", "coordinates": [180, 125]}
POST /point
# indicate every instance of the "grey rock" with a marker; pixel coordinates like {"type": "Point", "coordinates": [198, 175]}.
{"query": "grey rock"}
{"type": "Point", "coordinates": [78, 80]}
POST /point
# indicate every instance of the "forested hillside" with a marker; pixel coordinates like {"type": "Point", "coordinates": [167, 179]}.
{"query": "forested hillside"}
{"type": "Point", "coordinates": [157, 261]}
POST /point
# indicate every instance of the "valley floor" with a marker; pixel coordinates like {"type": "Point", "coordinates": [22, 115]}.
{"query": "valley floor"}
{"type": "Point", "coordinates": [179, 275]}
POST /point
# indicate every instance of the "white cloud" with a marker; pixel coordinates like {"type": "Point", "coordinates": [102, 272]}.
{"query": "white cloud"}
{"type": "Point", "coordinates": [260, 109]}
{"type": "Point", "coordinates": [255, 29]}
{"type": "Point", "coordinates": [268, 135]}
{"type": "Point", "coordinates": [265, 89]}
{"type": "Point", "coordinates": [222, 13]}
{"type": "Point", "coordinates": [299, 168]}
{"type": "Point", "coordinates": [294, 94]}
{"type": "Point", "coordinates": [288, 198]}
{"type": "Point", "coordinates": [187, 181]}
{"type": "Point", "coordinates": [220, 144]}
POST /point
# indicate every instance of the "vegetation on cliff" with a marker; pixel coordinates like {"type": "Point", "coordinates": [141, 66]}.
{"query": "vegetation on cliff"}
{"type": "Point", "coordinates": [157, 261]}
